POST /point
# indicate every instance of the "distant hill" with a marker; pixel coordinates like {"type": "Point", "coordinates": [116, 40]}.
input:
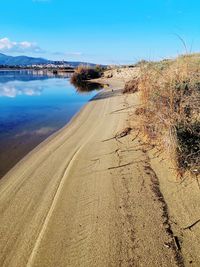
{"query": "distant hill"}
{"type": "Point", "coordinates": [21, 60]}
{"type": "Point", "coordinates": [26, 61]}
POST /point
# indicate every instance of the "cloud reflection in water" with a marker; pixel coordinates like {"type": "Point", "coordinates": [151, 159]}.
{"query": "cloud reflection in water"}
{"type": "Point", "coordinates": [13, 89]}
{"type": "Point", "coordinates": [40, 131]}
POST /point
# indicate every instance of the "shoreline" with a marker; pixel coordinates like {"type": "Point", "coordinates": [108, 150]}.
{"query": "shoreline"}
{"type": "Point", "coordinates": [89, 196]}
{"type": "Point", "coordinates": [18, 149]}
{"type": "Point", "coordinates": [53, 135]}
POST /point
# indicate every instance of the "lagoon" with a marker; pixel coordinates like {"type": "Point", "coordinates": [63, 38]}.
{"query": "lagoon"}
{"type": "Point", "coordinates": [33, 105]}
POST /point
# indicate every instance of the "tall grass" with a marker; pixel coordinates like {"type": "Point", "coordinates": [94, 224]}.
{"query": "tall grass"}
{"type": "Point", "coordinates": [170, 94]}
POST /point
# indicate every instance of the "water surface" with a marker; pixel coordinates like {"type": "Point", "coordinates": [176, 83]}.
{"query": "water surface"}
{"type": "Point", "coordinates": [33, 105]}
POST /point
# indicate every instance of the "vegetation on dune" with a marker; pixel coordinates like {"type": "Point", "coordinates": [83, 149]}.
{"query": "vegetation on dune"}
{"type": "Point", "coordinates": [170, 118]}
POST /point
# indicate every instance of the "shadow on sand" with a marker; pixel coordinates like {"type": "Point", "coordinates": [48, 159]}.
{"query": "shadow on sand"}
{"type": "Point", "coordinates": [86, 86]}
{"type": "Point", "coordinates": [107, 94]}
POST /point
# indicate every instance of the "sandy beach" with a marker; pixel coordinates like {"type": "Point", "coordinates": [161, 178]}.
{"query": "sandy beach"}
{"type": "Point", "coordinates": [90, 196]}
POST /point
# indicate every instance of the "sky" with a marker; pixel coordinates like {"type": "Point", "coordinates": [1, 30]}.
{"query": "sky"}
{"type": "Point", "coordinates": [106, 31]}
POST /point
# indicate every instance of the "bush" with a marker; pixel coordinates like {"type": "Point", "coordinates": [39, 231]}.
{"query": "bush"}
{"type": "Point", "coordinates": [131, 86]}
{"type": "Point", "coordinates": [83, 73]}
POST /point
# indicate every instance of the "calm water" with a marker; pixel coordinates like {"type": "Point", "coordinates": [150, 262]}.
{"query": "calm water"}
{"type": "Point", "coordinates": [33, 105]}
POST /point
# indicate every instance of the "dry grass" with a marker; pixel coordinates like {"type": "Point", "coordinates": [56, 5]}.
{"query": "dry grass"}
{"type": "Point", "coordinates": [170, 94]}
{"type": "Point", "coordinates": [131, 86]}
{"type": "Point", "coordinates": [140, 111]}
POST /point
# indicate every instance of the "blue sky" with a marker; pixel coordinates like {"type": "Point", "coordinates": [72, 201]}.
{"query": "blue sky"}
{"type": "Point", "coordinates": [106, 31]}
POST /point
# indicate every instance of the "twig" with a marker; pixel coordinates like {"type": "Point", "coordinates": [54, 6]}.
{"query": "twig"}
{"type": "Point", "coordinates": [136, 136]}
{"type": "Point", "coordinates": [113, 152]}
{"type": "Point", "coordinates": [124, 133]}
{"type": "Point", "coordinates": [192, 225]}
{"type": "Point", "coordinates": [117, 139]}
{"type": "Point", "coordinates": [124, 108]}
{"type": "Point", "coordinates": [109, 139]}
{"type": "Point", "coordinates": [124, 165]}
{"type": "Point", "coordinates": [176, 241]}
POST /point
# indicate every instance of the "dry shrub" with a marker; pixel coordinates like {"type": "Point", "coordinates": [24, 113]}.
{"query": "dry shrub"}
{"type": "Point", "coordinates": [131, 86]}
{"type": "Point", "coordinates": [188, 149]}
{"type": "Point", "coordinates": [84, 73]}
{"type": "Point", "coordinates": [170, 94]}
{"type": "Point", "coordinates": [140, 111]}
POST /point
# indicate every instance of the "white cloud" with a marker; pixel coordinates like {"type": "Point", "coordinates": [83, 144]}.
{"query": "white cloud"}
{"type": "Point", "coordinates": [6, 45]}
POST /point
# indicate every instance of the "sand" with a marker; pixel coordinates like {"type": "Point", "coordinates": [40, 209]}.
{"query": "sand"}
{"type": "Point", "coordinates": [88, 196]}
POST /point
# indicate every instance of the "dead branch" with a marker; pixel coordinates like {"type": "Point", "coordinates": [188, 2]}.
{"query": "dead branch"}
{"type": "Point", "coordinates": [124, 165]}
{"type": "Point", "coordinates": [108, 139]}
{"type": "Point", "coordinates": [177, 243]}
{"type": "Point", "coordinates": [124, 108]}
{"type": "Point", "coordinates": [191, 225]}
{"type": "Point", "coordinates": [124, 133]}
{"type": "Point", "coordinates": [136, 136]}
